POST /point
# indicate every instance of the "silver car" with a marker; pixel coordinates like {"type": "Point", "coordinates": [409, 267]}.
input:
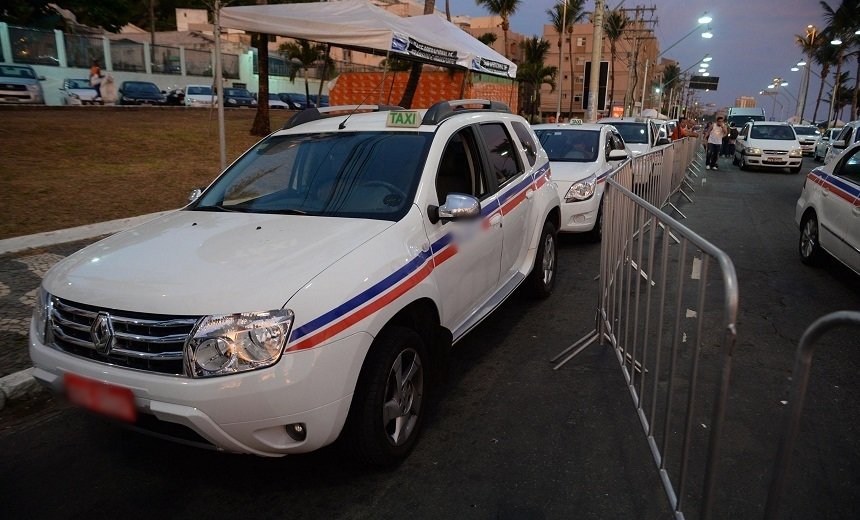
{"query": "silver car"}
{"type": "Point", "coordinates": [20, 84]}
{"type": "Point", "coordinates": [78, 92]}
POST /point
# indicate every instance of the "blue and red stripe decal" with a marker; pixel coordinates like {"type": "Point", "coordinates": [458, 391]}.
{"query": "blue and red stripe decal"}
{"type": "Point", "coordinates": [375, 298]}
{"type": "Point", "coordinates": [837, 186]}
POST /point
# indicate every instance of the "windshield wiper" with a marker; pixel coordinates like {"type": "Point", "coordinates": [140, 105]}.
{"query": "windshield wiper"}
{"type": "Point", "coordinates": [284, 211]}
{"type": "Point", "coordinates": [219, 209]}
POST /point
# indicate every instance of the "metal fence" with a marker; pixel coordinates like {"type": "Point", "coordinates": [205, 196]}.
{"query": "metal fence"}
{"type": "Point", "coordinates": [230, 66]}
{"type": "Point", "coordinates": [198, 63]}
{"type": "Point", "coordinates": [127, 56]}
{"type": "Point", "coordinates": [800, 379]}
{"type": "Point", "coordinates": [165, 60]}
{"type": "Point", "coordinates": [672, 329]}
{"type": "Point", "coordinates": [33, 46]}
{"type": "Point", "coordinates": [82, 50]}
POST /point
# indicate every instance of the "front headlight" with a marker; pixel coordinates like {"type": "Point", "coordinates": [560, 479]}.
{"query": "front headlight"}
{"type": "Point", "coordinates": [231, 101]}
{"type": "Point", "coordinates": [41, 314]}
{"type": "Point", "coordinates": [581, 190]}
{"type": "Point", "coordinates": [753, 151]}
{"type": "Point", "coordinates": [232, 343]}
{"type": "Point", "coordinates": [796, 152]}
{"type": "Point", "coordinates": [33, 88]}
{"type": "Point", "coordinates": [253, 101]}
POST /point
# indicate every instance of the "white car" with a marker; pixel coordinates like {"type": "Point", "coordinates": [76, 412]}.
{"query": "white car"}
{"type": "Point", "coordinates": [822, 145]}
{"type": "Point", "coordinates": [78, 92]}
{"type": "Point", "coordinates": [768, 144]}
{"type": "Point", "coordinates": [828, 211]}
{"type": "Point", "coordinates": [848, 135]}
{"type": "Point", "coordinates": [582, 157]}
{"type": "Point", "coordinates": [277, 103]}
{"type": "Point", "coordinates": [314, 289]}
{"type": "Point", "coordinates": [200, 96]}
{"type": "Point", "coordinates": [641, 135]}
{"type": "Point", "coordinates": [807, 135]}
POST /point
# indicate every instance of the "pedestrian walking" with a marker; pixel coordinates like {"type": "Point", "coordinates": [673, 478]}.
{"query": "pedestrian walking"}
{"type": "Point", "coordinates": [715, 140]}
{"type": "Point", "coordinates": [733, 135]}
{"type": "Point", "coordinates": [96, 79]}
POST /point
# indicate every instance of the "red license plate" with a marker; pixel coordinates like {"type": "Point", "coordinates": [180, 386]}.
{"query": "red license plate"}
{"type": "Point", "coordinates": [102, 398]}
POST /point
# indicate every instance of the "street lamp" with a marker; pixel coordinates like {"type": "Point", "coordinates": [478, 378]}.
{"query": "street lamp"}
{"type": "Point", "coordinates": [708, 34]}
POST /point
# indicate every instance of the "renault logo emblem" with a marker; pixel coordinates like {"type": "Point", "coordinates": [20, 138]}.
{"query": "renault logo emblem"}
{"type": "Point", "coordinates": [102, 333]}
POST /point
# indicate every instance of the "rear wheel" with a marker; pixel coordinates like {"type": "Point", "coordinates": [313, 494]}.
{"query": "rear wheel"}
{"type": "Point", "coordinates": [542, 278]}
{"type": "Point", "coordinates": [386, 411]}
{"type": "Point", "coordinates": [810, 250]}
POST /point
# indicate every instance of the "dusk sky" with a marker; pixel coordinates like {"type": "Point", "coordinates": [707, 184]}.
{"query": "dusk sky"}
{"type": "Point", "coordinates": [753, 42]}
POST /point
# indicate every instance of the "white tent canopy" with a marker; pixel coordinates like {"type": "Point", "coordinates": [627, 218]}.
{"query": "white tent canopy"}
{"type": "Point", "coordinates": [357, 24]}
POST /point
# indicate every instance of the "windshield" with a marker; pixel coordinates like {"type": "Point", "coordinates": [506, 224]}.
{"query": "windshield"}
{"type": "Point", "coordinates": [775, 132]}
{"type": "Point", "coordinates": [805, 130]}
{"type": "Point", "coordinates": [237, 92]}
{"type": "Point", "coordinates": [570, 145]}
{"type": "Point", "coordinates": [141, 88]}
{"type": "Point", "coordinates": [632, 133]}
{"type": "Point", "coordinates": [357, 174]}
{"type": "Point", "coordinates": [198, 91]}
{"type": "Point", "coordinates": [11, 71]}
{"type": "Point", "coordinates": [739, 121]}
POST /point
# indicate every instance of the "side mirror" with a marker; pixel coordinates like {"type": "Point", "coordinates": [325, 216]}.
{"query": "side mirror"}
{"type": "Point", "coordinates": [194, 195]}
{"type": "Point", "coordinates": [662, 141]}
{"type": "Point", "coordinates": [616, 155]}
{"type": "Point", "coordinates": [838, 144]}
{"type": "Point", "coordinates": [458, 206]}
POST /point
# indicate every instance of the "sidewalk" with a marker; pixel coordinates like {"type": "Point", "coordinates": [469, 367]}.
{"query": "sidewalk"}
{"type": "Point", "coordinates": [23, 263]}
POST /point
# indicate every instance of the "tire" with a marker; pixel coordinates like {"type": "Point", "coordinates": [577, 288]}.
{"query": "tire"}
{"type": "Point", "coordinates": [385, 417]}
{"type": "Point", "coordinates": [541, 281]}
{"type": "Point", "coordinates": [743, 166]}
{"type": "Point", "coordinates": [808, 246]}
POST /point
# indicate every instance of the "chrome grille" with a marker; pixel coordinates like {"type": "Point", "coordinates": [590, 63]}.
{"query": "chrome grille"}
{"type": "Point", "coordinates": [149, 342]}
{"type": "Point", "coordinates": [775, 152]}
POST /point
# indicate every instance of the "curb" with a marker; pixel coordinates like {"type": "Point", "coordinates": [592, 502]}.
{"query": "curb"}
{"type": "Point", "coordinates": [21, 384]}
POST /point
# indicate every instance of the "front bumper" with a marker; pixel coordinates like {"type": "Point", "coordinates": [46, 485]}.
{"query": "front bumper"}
{"type": "Point", "coordinates": [579, 216]}
{"type": "Point", "coordinates": [773, 161]}
{"type": "Point", "coordinates": [21, 97]}
{"type": "Point", "coordinates": [240, 413]}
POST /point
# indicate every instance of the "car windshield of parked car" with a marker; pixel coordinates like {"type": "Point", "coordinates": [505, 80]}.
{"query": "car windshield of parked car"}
{"type": "Point", "coordinates": [198, 91]}
{"type": "Point", "coordinates": [774, 132]}
{"type": "Point", "coordinates": [141, 88]}
{"type": "Point", "coordinates": [806, 130]}
{"type": "Point", "coordinates": [633, 133]}
{"type": "Point", "coordinates": [274, 97]}
{"type": "Point", "coordinates": [346, 174]}
{"type": "Point", "coordinates": [11, 71]}
{"type": "Point", "coordinates": [570, 145]}
{"type": "Point", "coordinates": [237, 92]}
{"type": "Point", "coordinates": [80, 83]}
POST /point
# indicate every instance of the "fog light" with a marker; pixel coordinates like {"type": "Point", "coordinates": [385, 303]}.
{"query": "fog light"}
{"type": "Point", "coordinates": [297, 431]}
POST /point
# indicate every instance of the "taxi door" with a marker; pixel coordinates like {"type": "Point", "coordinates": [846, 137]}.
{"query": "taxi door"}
{"type": "Point", "coordinates": [841, 207]}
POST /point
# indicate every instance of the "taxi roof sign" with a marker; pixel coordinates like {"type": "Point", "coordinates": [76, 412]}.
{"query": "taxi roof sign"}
{"type": "Point", "coordinates": [403, 119]}
{"type": "Point", "coordinates": [576, 121]}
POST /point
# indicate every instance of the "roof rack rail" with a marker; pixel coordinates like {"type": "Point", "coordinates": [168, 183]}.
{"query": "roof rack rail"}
{"type": "Point", "coordinates": [312, 114]}
{"type": "Point", "coordinates": [445, 109]}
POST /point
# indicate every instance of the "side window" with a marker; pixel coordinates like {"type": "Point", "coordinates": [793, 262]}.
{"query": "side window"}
{"type": "Point", "coordinates": [608, 146]}
{"type": "Point", "coordinates": [503, 161]}
{"type": "Point", "coordinates": [850, 167]}
{"type": "Point", "coordinates": [845, 135]}
{"type": "Point", "coordinates": [460, 168]}
{"type": "Point", "coordinates": [617, 141]}
{"type": "Point", "coordinates": [529, 147]}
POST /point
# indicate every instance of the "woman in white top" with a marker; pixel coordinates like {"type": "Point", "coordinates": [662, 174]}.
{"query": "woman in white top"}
{"type": "Point", "coordinates": [715, 141]}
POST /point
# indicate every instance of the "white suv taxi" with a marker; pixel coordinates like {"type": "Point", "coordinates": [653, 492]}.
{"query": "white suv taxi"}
{"type": "Point", "coordinates": [313, 290]}
{"type": "Point", "coordinates": [828, 211]}
{"type": "Point", "coordinates": [768, 144]}
{"type": "Point", "coordinates": [582, 158]}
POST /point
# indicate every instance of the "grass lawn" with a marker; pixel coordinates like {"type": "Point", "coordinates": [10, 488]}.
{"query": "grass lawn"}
{"type": "Point", "coordinates": [67, 166]}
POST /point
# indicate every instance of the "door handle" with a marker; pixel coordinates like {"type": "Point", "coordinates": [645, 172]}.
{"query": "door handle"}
{"type": "Point", "coordinates": [496, 220]}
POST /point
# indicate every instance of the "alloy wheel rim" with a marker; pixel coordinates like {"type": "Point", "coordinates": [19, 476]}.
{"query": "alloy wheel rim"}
{"type": "Point", "coordinates": [548, 259]}
{"type": "Point", "coordinates": [809, 237]}
{"type": "Point", "coordinates": [404, 392]}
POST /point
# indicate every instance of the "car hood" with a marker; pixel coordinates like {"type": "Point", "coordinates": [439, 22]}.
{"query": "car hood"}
{"type": "Point", "coordinates": [638, 148]}
{"type": "Point", "coordinates": [197, 263]}
{"type": "Point", "coordinates": [18, 81]}
{"type": "Point", "coordinates": [573, 171]}
{"type": "Point", "coordinates": [773, 144]}
{"type": "Point", "coordinates": [83, 93]}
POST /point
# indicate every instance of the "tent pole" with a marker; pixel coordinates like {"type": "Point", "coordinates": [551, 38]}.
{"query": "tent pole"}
{"type": "Point", "coordinates": [384, 72]}
{"type": "Point", "coordinates": [513, 88]}
{"type": "Point", "coordinates": [219, 81]}
{"type": "Point", "coordinates": [463, 84]}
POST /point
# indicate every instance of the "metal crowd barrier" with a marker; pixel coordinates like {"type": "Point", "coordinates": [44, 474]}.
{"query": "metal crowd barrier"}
{"type": "Point", "coordinates": [800, 377]}
{"type": "Point", "coordinates": [660, 174]}
{"type": "Point", "coordinates": [673, 333]}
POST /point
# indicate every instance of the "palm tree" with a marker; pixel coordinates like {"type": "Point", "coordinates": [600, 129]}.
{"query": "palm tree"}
{"type": "Point", "coordinates": [844, 98]}
{"type": "Point", "coordinates": [809, 44]}
{"type": "Point", "coordinates": [302, 55]}
{"type": "Point", "coordinates": [825, 56]}
{"type": "Point", "coordinates": [415, 73]}
{"type": "Point", "coordinates": [671, 73]}
{"type": "Point", "coordinates": [532, 73]}
{"type": "Point", "coordinates": [487, 39]}
{"type": "Point", "coordinates": [841, 23]}
{"type": "Point", "coordinates": [504, 9]}
{"type": "Point", "coordinates": [613, 29]}
{"type": "Point", "coordinates": [575, 13]}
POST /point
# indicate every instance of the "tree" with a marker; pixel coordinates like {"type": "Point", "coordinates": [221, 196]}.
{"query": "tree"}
{"type": "Point", "coordinates": [487, 39]}
{"type": "Point", "coordinates": [111, 15]}
{"type": "Point", "coordinates": [415, 73]}
{"type": "Point", "coordinates": [825, 56]}
{"type": "Point", "coordinates": [302, 56]}
{"type": "Point", "coordinates": [613, 26]}
{"type": "Point", "coordinates": [557, 16]}
{"type": "Point", "coordinates": [671, 74]}
{"type": "Point", "coordinates": [841, 23]}
{"type": "Point", "coordinates": [532, 73]}
{"type": "Point", "coordinates": [503, 9]}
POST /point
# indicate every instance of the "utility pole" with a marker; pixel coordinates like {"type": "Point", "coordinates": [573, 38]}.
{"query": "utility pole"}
{"type": "Point", "coordinates": [560, 55]}
{"type": "Point", "coordinates": [596, 49]}
{"type": "Point", "coordinates": [219, 83]}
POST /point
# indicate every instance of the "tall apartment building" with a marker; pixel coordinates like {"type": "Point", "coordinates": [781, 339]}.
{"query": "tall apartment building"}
{"type": "Point", "coordinates": [745, 102]}
{"type": "Point", "coordinates": [633, 51]}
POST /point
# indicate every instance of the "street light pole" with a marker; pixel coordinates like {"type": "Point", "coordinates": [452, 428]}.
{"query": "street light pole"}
{"type": "Point", "coordinates": [560, 55]}
{"type": "Point", "coordinates": [596, 49]}
{"type": "Point", "coordinates": [804, 82]}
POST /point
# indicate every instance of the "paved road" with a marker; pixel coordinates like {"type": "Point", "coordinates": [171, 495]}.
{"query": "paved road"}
{"type": "Point", "coordinates": [511, 438]}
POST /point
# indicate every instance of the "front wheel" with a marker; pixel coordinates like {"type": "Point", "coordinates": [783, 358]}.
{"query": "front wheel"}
{"type": "Point", "coordinates": [810, 250]}
{"type": "Point", "coordinates": [743, 165]}
{"type": "Point", "coordinates": [542, 278]}
{"type": "Point", "coordinates": [386, 411]}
